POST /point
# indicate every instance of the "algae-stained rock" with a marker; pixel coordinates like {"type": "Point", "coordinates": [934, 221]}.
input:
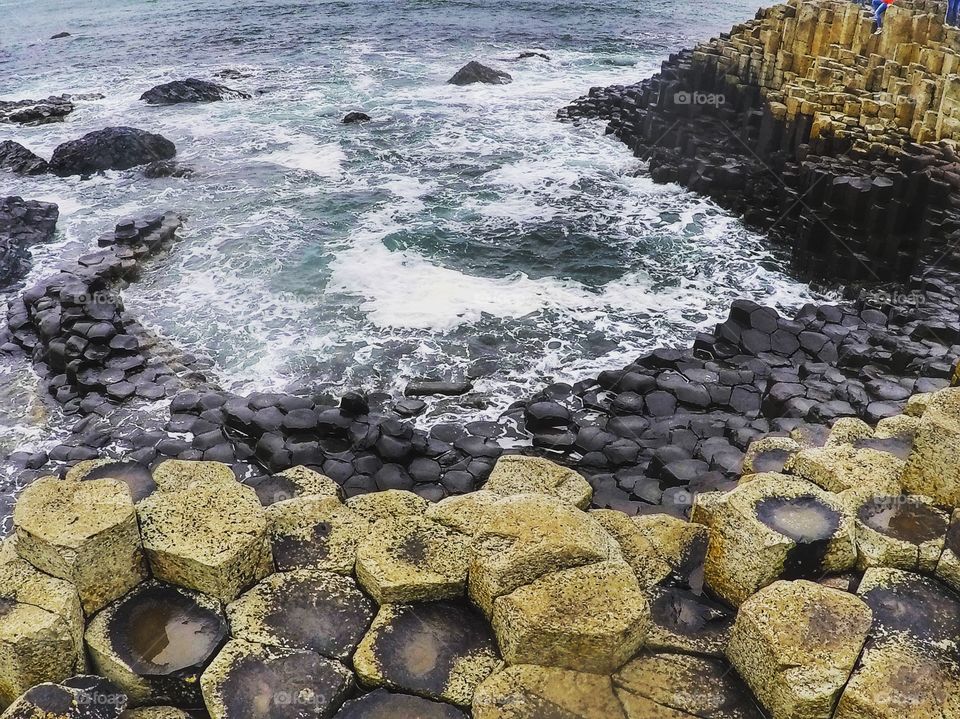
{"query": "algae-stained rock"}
{"type": "Point", "coordinates": [769, 454]}
{"type": "Point", "coordinates": [155, 642]}
{"type": "Point", "coordinates": [315, 532]}
{"type": "Point", "coordinates": [155, 713]}
{"type": "Point", "coordinates": [411, 559]}
{"type": "Point", "coordinates": [844, 467]}
{"type": "Point", "coordinates": [848, 430]}
{"type": "Point", "coordinates": [903, 531]}
{"type": "Point", "coordinates": [391, 504]}
{"type": "Point", "coordinates": [948, 568]}
{"type": "Point", "coordinates": [247, 679]}
{"type": "Point", "coordinates": [683, 621]}
{"type": "Point", "coordinates": [933, 468]}
{"type": "Point", "coordinates": [84, 532]}
{"type": "Point", "coordinates": [517, 474]}
{"type": "Point", "coordinates": [381, 704]}
{"type": "Point", "coordinates": [79, 697]}
{"type": "Point", "coordinates": [900, 425]}
{"type": "Point", "coordinates": [682, 545]}
{"type": "Point", "coordinates": [464, 513]}
{"type": "Point", "coordinates": [795, 644]}
{"type": "Point", "coordinates": [298, 481]}
{"type": "Point", "coordinates": [647, 563]}
{"type": "Point", "coordinates": [772, 528]}
{"type": "Point", "coordinates": [908, 668]}
{"type": "Point", "coordinates": [533, 692]}
{"type": "Point", "coordinates": [211, 537]}
{"type": "Point", "coordinates": [41, 626]}
{"type": "Point", "coordinates": [527, 536]}
{"type": "Point", "coordinates": [137, 477]}
{"type": "Point", "coordinates": [304, 609]}
{"type": "Point", "coordinates": [664, 685]}
{"type": "Point", "coordinates": [176, 474]}
{"type": "Point", "coordinates": [590, 618]}
{"type": "Point", "coordinates": [442, 650]}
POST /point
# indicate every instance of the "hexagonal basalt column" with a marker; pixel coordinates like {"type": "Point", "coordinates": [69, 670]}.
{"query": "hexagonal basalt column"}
{"type": "Point", "coordinates": [156, 641]}
{"type": "Point", "coordinates": [661, 685]}
{"type": "Point", "coordinates": [295, 482]}
{"type": "Point", "coordinates": [775, 527]}
{"type": "Point", "coordinates": [84, 532]}
{"type": "Point", "coordinates": [304, 609]}
{"type": "Point", "coordinates": [682, 621]}
{"type": "Point", "coordinates": [79, 697]}
{"type": "Point", "coordinates": [247, 679]}
{"type": "Point", "coordinates": [908, 668]}
{"type": "Point", "coordinates": [933, 469]}
{"type": "Point", "coordinates": [532, 692]}
{"type": "Point", "coordinates": [412, 559]}
{"type": "Point", "coordinates": [315, 532]}
{"type": "Point", "coordinates": [769, 454]}
{"type": "Point", "coordinates": [516, 474]}
{"type": "Point", "coordinates": [844, 467]}
{"type": "Point", "coordinates": [391, 504]}
{"type": "Point", "coordinates": [155, 713]}
{"type": "Point", "coordinates": [590, 618]}
{"type": "Point", "coordinates": [136, 476]}
{"type": "Point", "coordinates": [795, 644]}
{"type": "Point", "coordinates": [902, 531]}
{"type": "Point", "coordinates": [442, 650]}
{"type": "Point", "coordinates": [948, 568]}
{"type": "Point", "coordinates": [381, 704]}
{"type": "Point", "coordinates": [41, 627]}
{"type": "Point", "coordinates": [529, 535]}
{"type": "Point", "coordinates": [638, 551]}
{"type": "Point", "coordinates": [209, 537]}
{"type": "Point", "coordinates": [175, 474]}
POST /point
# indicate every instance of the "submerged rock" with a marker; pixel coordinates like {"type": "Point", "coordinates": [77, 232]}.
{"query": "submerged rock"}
{"type": "Point", "coordinates": [167, 168]}
{"type": "Point", "coordinates": [352, 117]}
{"type": "Point", "coordinates": [421, 387]}
{"type": "Point", "coordinates": [473, 72]}
{"type": "Point", "coordinates": [113, 148]}
{"type": "Point", "coordinates": [16, 158]}
{"type": "Point", "coordinates": [190, 90]}
{"type": "Point", "coordinates": [156, 641]}
{"type": "Point", "coordinates": [532, 53]}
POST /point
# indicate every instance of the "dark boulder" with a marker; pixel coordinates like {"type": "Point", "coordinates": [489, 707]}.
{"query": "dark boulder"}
{"type": "Point", "coordinates": [59, 35]}
{"type": "Point", "coordinates": [532, 53]}
{"type": "Point", "coordinates": [23, 223]}
{"type": "Point", "coordinates": [352, 117]}
{"type": "Point", "coordinates": [167, 168]}
{"type": "Point", "coordinates": [36, 112]}
{"type": "Point", "coordinates": [473, 72]}
{"type": "Point", "coordinates": [420, 387]}
{"type": "Point", "coordinates": [17, 158]}
{"type": "Point", "coordinates": [191, 90]}
{"type": "Point", "coordinates": [113, 148]}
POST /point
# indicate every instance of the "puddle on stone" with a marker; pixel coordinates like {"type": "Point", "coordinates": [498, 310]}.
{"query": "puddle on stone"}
{"type": "Point", "coordinates": [919, 606]}
{"type": "Point", "coordinates": [137, 477]}
{"type": "Point", "coordinates": [160, 631]}
{"type": "Point", "coordinates": [771, 460]}
{"type": "Point", "coordinates": [900, 518]}
{"type": "Point", "coordinates": [687, 614]}
{"type": "Point", "coordinates": [274, 488]}
{"type": "Point", "coordinates": [898, 446]}
{"type": "Point", "coordinates": [808, 522]}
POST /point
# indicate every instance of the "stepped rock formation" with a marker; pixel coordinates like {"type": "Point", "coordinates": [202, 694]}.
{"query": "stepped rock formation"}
{"type": "Point", "coordinates": [838, 141]}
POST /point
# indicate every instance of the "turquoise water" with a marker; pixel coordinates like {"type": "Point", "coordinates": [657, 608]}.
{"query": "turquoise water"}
{"type": "Point", "coordinates": [464, 231]}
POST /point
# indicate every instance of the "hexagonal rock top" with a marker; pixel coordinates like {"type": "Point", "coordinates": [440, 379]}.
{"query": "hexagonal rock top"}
{"type": "Point", "coordinates": [391, 504]}
{"type": "Point", "coordinates": [591, 618]}
{"type": "Point", "coordinates": [79, 697]}
{"type": "Point", "coordinates": [528, 535]}
{"type": "Point", "coordinates": [908, 669]}
{"type": "Point", "coordinates": [411, 559]}
{"type": "Point", "coordinates": [844, 467]}
{"type": "Point", "coordinates": [442, 650]}
{"type": "Point", "coordinates": [84, 532]}
{"type": "Point", "coordinates": [175, 474]}
{"type": "Point", "coordinates": [304, 609]}
{"type": "Point", "coordinates": [209, 537]}
{"type": "Point", "coordinates": [516, 474]}
{"type": "Point", "coordinates": [156, 641]}
{"type": "Point", "coordinates": [796, 643]}
{"type": "Point", "coordinates": [677, 686]}
{"type": "Point", "coordinates": [135, 475]}
{"type": "Point", "coordinates": [948, 568]}
{"type": "Point", "coordinates": [381, 704]}
{"type": "Point", "coordinates": [527, 691]}
{"type": "Point", "coordinates": [315, 532]}
{"type": "Point", "coordinates": [775, 527]}
{"type": "Point", "coordinates": [903, 531]}
{"type": "Point", "coordinates": [933, 469]}
{"type": "Point", "coordinates": [291, 483]}
{"type": "Point", "coordinates": [41, 626]}
{"type": "Point", "coordinates": [247, 679]}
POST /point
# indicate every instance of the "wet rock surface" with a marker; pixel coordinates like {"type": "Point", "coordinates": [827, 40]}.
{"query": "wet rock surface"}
{"type": "Point", "coordinates": [80, 697]}
{"type": "Point", "coordinates": [36, 112]}
{"type": "Point", "coordinates": [23, 223]}
{"type": "Point", "coordinates": [474, 71]}
{"type": "Point", "coordinates": [17, 158]}
{"type": "Point", "coordinates": [190, 90]}
{"type": "Point", "coordinates": [113, 148]}
{"type": "Point", "coordinates": [381, 704]}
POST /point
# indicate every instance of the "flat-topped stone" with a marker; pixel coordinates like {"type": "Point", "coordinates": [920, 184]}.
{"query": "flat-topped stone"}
{"type": "Point", "coordinates": [137, 477]}
{"type": "Point", "coordinates": [295, 482]}
{"type": "Point", "coordinates": [315, 532]}
{"type": "Point", "coordinates": [382, 704]}
{"type": "Point", "coordinates": [207, 536]}
{"type": "Point", "coordinates": [304, 609]}
{"type": "Point", "coordinates": [681, 544]}
{"type": "Point", "coordinates": [155, 642]}
{"type": "Point", "coordinates": [84, 532]}
{"type": "Point", "coordinates": [532, 692]}
{"type": "Point", "coordinates": [442, 650]}
{"type": "Point", "coordinates": [464, 513]}
{"type": "Point", "coordinates": [933, 469]}
{"type": "Point", "coordinates": [517, 474]}
{"type": "Point", "coordinates": [590, 618]}
{"type": "Point", "coordinates": [769, 454]}
{"type": "Point", "coordinates": [392, 503]}
{"type": "Point", "coordinates": [844, 467]}
{"type": "Point", "coordinates": [172, 475]}
{"type": "Point", "coordinates": [79, 697]}
{"type": "Point", "coordinates": [903, 531]}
